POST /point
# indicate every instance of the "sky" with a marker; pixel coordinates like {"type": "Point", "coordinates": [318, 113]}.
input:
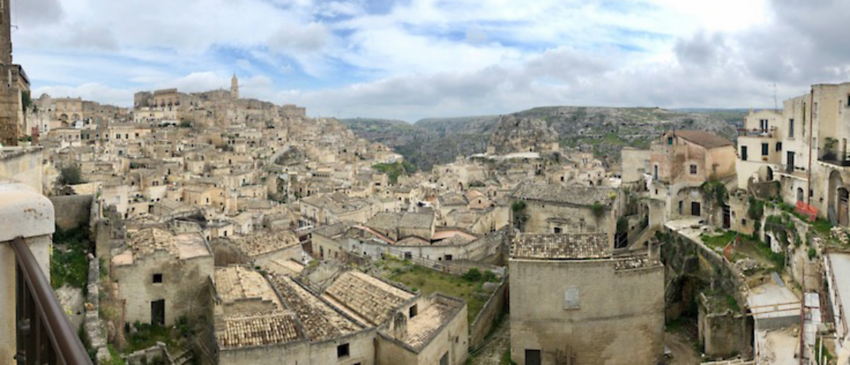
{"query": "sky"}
{"type": "Point", "coordinates": [412, 59]}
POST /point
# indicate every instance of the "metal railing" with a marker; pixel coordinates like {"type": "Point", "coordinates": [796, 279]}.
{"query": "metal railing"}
{"type": "Point", "coordinates": [44, 334]}
{"type": "Point", "coordinates": [757, 132]}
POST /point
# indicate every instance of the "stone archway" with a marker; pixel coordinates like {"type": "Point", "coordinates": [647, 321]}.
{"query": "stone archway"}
{"type": "Point", "coordinates": [765, 173]}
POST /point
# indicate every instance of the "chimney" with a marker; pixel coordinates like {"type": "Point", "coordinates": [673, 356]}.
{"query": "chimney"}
{"type": "Point", "coordinates": [400, 326]}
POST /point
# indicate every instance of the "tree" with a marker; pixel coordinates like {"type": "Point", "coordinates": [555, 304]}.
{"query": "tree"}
{"type": "Point", "coordinates": [70, 175]}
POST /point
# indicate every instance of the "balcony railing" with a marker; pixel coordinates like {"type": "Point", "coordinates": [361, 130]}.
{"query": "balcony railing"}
{"type": "Point", "coordinates": [757, 132]}
{"type": "Point", "coordinates": [44, 334]}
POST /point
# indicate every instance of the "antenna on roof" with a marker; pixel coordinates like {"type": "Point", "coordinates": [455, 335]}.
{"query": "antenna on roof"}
{"type": "Point", "coordinates": [14, 22]}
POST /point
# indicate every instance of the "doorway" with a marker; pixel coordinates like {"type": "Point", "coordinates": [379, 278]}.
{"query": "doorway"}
{"type": "Point", "coordinates": [158, 312]}
{"type": "Point", "coordinates": [532, 357]}
{"type": "Point", "coordinates": [843, 197]}
{"type": "Point", "coordinates": [695, 209]}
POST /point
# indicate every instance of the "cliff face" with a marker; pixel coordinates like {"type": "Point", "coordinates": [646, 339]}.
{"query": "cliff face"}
{"type": "Point", "coordinates": [518, 134]}
{"type": "Point", "coordinates": [601, 130]}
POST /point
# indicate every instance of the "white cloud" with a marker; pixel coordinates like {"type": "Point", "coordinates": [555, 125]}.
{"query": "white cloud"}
{"type": "Point", "coordinates": [418, 58]}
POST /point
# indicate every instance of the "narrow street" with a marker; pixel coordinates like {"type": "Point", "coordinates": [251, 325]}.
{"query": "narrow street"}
{"type": "Point", "coordinates": [496, 345]}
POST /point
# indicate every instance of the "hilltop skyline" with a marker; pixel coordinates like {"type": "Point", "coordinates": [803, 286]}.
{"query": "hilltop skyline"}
{"type": "Point", "coordinates": [415, 59]}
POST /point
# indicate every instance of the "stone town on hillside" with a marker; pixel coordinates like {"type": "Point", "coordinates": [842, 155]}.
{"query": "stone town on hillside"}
{"type": "Point", "coordinates": [210, 228]}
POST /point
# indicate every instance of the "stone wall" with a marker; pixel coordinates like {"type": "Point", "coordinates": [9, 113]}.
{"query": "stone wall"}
{"type": "Point", "coordinates": [589, 330]}
{"type": "Point", "coordinates": [72, 211]}
{"type": "Point", "coordinates": [151, 355]}
{"type": "Point", "coordinates": [489, 315]}
{"type": "Point", "coordinates": [93, 326]}
{"type": "Point", "coordinates": [722, 332]}
{"type": "Point", "coordinates": [23, 166]}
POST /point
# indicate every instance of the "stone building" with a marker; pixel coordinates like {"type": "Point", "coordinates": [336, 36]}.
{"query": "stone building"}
{"type": "Point", "coordinates": [681, 162]}
{"type": "Point", "coordinates": [573, 302]}
{"type": "Point", "coordinates": [358, 319]}
{"type": "Point", "coordinates": [573, 209]}
{"type": "Point", "coordinates": [15, 90]}
{"type": "Point", "coordinates": [160, 276]}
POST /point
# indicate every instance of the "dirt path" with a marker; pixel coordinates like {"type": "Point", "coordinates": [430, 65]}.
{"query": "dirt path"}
{"type": "Point", "coordinates": [496, 345]}
{"type": "Point", "coordinates": [682, 348]}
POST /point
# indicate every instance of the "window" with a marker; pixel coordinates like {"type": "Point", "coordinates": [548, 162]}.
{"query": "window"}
{"type": "Point", "coordinates": [558, 230]}
{"type": "Point", "coordinates": [763, 124]}
{"type": "Point", "coordinates": [791, 128]}
{"type": "Point", "coordinates": [744, 222]}
{"type": "Point", "coordinates": [533, 357]}
{"type": "Point", "coordinates": [743, 153]}
{"type": "Point", "coordinates": [157, 278]}
{"type": "Point", "coordinates": [669, 141]}
{"type": "Point", "coordinates": [408, 256]}
{"type": "Point", "coordinates": [571, 298]}
{"type": "Point", "coordinates": [778, 146]}
{"type": "Point", "coordinates": [413, 311]}
{"type": "Point", "coordinates": [449, 257]}
{"type": "Point", "coordinates": [764, 149]}
{"type": "Point", "coordinates": [342, 351]}
{"type": "Point", "coordinates": [693, 169]}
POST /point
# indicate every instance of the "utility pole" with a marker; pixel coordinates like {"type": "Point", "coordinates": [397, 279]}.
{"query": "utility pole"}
{"type": "Point", "coordinates": [803, 316]}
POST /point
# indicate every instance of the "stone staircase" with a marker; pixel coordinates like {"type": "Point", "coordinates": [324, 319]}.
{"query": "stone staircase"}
{"type": "Point", "coordinates": [186, 357]}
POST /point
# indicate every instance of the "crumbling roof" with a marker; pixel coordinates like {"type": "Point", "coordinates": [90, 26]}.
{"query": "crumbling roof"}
{"type": "Point", "coordinates": [416, 220]}
{"type": "Point", "coordinates": [452, 199]}
{"type": "Point", "coordinates": [385, 221]}
{"type": "Point", "coordinates": [421, 328]}
{"type": "Point", "coordinates": [366, 298]}
{"type": "Point", "coordinates": [147, 241]}
{"type": "Point", "coordinates": [320, 321]}
{"type": "Point", "coordinates": [572, 194]}
{"type": "Point", "coordinates": [238, 283]}
{"type": "Point", "coordinates": [258, 329]}
{"type": "Point", "coordinates": [561, 246]}
{"type": "Point", "coordinates": [265, 242]}
{"type": "Point", "coordinates": [332, 230]}
{"type": "Point", "coordinates": [705, 139]}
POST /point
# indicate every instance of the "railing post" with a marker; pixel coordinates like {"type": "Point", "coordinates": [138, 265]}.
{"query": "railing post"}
{"type": "Point", "coordinates": [44, 328]}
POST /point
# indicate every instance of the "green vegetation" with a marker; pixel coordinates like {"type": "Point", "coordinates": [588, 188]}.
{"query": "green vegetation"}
{"type": "Point", "coordinates": [756, 209]}
{"type": "Point", "coordinates": [395, 170]}
{"type": "Point", "coordinates": [68, 264]}
{"type": "Point", "coordinates": [827, 354]}
{"type": "Point", "coordinates": [812, 253]}
{"type": "Point", "coordinates": [429, 281]}
{"type": "Point", "coordinates": [116, 357]}
{"type": "Point", "coordinates": [822, 226]}
{"type": "Point", "coordinates": [506, 358]}
{"type": "Point", "coordinates": [598, 209]}
{"type": "Point", "coordinates": [749, 247]}
{"type": "Point", "coordinates": [719, 241]}
{"type": "Point", "coordinates": [148, 335]}
{"type": "Point", "coordinates": [70, 175]}
{"type": "Point", "coordinates": [26, 100]}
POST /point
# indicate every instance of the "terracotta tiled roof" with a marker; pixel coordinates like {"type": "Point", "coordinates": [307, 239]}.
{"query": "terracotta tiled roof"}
{"type": "Point", "coordinates": [572, 194]}
{"type": "Point", "coordinates": [320, 321]}
{"type": "Point", "coordinates": [705, 139]}
{"type": "Point", "coordinates": [264, 242]}
{"type": "Point", "coordinates": [561, 246]}
{"type": "Point", "coordinates": [366, 297]}
{"type": "Point", "coordinates": [258, 329]}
